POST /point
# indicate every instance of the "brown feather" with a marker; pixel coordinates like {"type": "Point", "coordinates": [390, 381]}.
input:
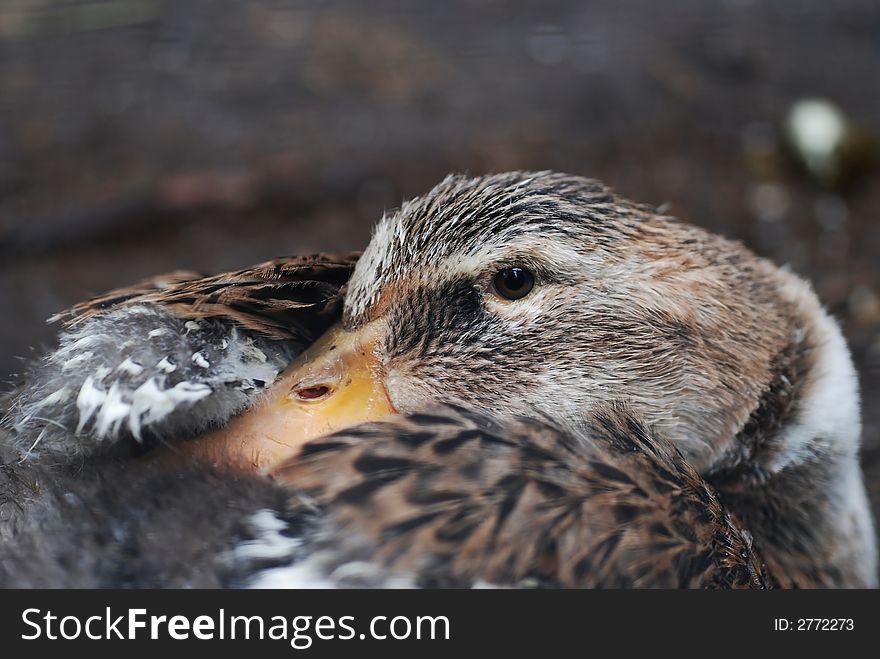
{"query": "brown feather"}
{"type": "Point", "coordinates": [269, 298]}
{"type": "Point", "coordinates": [452, 496]}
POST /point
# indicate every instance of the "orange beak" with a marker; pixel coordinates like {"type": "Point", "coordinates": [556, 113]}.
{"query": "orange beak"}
{"type": "Point", "coordinates": [334, 384]}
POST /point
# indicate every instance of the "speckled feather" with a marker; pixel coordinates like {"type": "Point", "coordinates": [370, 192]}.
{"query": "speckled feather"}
{"type": "Point", "coordinates": [173, 356]}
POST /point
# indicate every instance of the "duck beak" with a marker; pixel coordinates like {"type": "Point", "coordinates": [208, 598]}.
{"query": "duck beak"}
{"type": "Point", "coordinates": [334, 384]}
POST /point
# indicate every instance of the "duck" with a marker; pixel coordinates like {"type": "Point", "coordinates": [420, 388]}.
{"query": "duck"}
{"type": "Point", "coordinates": [516, 296]}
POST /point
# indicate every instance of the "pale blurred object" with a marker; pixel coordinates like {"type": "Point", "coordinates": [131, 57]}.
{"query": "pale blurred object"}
{"type": "Point", "coordinates": [827, 144]}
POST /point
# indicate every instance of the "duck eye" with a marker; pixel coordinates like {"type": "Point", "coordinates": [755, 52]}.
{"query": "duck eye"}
{"type": "Point", "coordinates": [513, 283]}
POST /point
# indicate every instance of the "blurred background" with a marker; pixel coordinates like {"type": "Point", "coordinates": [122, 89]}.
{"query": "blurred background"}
{"type": "Point", "coordinates": [138, 136]}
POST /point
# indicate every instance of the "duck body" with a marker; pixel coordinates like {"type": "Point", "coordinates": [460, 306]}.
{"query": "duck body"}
{"type": "Point", "coordinates": [724, 356]}
{"type": "Point", "coordinates": [522, 504]}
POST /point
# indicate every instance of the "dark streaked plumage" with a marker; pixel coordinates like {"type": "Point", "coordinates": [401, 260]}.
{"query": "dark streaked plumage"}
{"type": "Point", "coordinates": [444, 498]}
{"type": "Point", "coordinates": [456, 499]}
{"type": "Point", "coordinates": [287, 298]}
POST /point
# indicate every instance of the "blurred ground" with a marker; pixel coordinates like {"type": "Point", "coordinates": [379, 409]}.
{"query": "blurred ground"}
{"type": "Point", "coordinates": [138, 136]}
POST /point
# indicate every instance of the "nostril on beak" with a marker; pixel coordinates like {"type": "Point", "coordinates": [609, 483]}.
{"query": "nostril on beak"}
{"type": "Point", "coordinates": [319, 382]}
{"type": "Point", "coordinates": [311, 392]}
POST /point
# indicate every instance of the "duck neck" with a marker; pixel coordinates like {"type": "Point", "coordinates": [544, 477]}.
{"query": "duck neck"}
{"type": "Point", "coordinates": [793, 479]}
